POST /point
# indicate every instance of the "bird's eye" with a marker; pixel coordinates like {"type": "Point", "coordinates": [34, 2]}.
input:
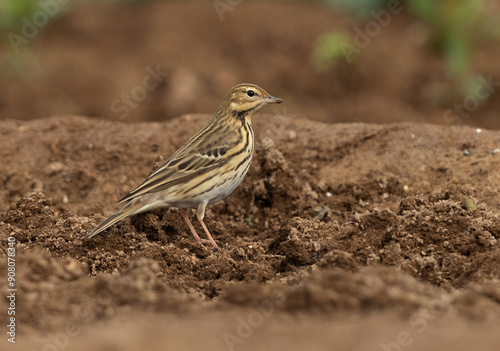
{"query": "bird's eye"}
{"type": "Point", "coordinates": [250, 93]}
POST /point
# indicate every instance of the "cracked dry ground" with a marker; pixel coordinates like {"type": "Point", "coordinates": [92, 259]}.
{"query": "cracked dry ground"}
{"type": "Point", "coordinates": [347, 236]}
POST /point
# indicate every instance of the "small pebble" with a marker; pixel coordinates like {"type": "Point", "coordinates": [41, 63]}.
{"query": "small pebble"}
{"type": "Point", "coordinates": [493, 152]}
{"type": "Point", "coordinates": [328, 194]}
{"type": "Point", "coordinates": [292, 135]}
{"type": "Point", "coordinates": [478, 130]}
{"type": "Point", "coordinates": [467, 152]}
{"type": "Point", "coordinates": [55, 167]}
{"type": "Point", "coordinates": [323, 211]}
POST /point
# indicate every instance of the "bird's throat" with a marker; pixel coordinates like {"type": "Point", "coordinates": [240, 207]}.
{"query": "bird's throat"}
{"type": "Point", "coordinates": [242, 114]}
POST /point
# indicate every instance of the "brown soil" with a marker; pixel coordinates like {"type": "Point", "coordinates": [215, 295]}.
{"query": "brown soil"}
{"type": "Point", "coordinates": [363, 236]}
{"type": "Point", "coordinates": [410, 228]}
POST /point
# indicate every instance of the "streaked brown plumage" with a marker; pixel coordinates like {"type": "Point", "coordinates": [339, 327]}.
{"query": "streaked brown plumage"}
{"type": "Point", "coordinates": [204, 170]}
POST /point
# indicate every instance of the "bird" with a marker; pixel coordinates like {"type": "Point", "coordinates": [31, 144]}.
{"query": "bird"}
{"type": "Point", "coordinates": [206, 169]}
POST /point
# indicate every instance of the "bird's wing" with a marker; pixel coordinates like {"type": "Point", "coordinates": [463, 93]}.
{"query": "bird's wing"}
{"type": "Point", "coordinates": [186, 164]}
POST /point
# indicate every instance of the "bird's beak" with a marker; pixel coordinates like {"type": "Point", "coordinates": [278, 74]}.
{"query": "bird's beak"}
{"type": "Point", "coordinates": [272, 100]}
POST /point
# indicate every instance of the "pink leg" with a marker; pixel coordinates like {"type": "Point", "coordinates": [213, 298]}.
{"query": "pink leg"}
{"type": "Point", "coordinates": [200, 213]}
{"type": "Point", "coordinates": [211, 240]}
{"type": "Point", "coordinates": [186, 218]}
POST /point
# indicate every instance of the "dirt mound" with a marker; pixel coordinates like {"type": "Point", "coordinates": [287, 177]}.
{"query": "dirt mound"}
{"type": "Point", "coordinates": [314, 227]}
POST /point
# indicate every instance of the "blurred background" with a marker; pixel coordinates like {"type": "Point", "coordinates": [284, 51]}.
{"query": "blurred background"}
{"type": "Point", "coordinates": [331, 60]}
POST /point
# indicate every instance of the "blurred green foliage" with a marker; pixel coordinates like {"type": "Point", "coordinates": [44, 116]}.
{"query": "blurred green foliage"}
{"type": "Point", "coordinates": [15, 13]}
{"type": "Point", "coordinates": [20, 21]}
{"type": "Point", "coordinates": [458, 28]}
{"type": "Point", "coordinates": [359, 8]}
{"type": "Point", "coordinates": [12, 11]}
{"type": "Point", "coordinates": [330, 49]}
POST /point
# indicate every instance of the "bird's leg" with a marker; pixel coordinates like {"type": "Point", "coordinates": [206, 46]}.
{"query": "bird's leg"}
{"type": "Point", "coordinates": [200, 213]}
{"type": "Point", "coordinates": [186, 218]}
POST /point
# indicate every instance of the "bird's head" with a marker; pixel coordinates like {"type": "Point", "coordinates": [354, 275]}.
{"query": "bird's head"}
{"type": "Point", "coordinates": [245, 99]}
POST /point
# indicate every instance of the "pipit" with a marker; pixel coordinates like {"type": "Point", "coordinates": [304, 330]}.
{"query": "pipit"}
{"type": "Point", "coordinates": [206, 169]}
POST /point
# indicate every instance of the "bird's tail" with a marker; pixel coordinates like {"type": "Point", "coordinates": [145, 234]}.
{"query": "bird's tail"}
{"type": "Point", "coordinates": [127, 210]}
